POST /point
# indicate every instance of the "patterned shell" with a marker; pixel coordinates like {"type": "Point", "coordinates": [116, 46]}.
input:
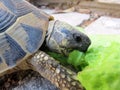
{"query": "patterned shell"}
{"type": "Point", "coordinates": [22, 31]}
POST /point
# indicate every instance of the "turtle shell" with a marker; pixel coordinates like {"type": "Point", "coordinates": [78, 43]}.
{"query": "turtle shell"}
{"type": "Point", "coordinates": [22, 31]}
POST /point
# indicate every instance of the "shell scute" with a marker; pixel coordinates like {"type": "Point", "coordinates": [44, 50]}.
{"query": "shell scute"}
{"type": "Point", "coordinates": [18, 7]}
{"type": "Point", "coordinates": [34, 37]}
{"type": "Point", "coordinates": [6, 19]}
{"type": "Point", "coordinates": [3, 44]}
{"type": "Point", "coordinates": [0, 60]}
{"type": "Point", "coordinates": [3, 15]}
{"type": "Point", "coordinates": [13, 53]}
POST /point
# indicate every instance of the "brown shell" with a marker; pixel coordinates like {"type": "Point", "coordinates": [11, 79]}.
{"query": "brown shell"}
{"type": "Point", "coordinates": [22, 31]}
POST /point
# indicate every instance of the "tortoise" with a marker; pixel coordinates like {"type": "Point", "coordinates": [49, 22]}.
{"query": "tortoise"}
{"type": "Point", "coordinates": [25, 30]}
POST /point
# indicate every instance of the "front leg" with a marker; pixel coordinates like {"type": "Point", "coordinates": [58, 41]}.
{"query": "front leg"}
{"type": "Point", "coordinates": [51, 69]}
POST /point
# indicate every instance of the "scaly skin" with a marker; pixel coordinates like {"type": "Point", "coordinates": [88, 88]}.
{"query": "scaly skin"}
{"type": "Point", "coordinates": [50, 69]}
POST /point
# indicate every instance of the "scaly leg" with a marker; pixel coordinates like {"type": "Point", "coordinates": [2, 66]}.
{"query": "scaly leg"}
{"type": "Point", "coordinates": [50, 69]}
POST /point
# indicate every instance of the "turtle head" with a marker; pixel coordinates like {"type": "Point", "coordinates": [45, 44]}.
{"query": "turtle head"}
{"type": "Point", "coordinates": [63, 38]}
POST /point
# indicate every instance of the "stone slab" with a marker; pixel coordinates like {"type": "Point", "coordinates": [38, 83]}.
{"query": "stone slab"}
{"type": "Point", "coordinates": [73, 18]}
{"type": "Point", "coordinates": [104, 25]}
{"type": "Point", "coordinates": [110, 1]}
{"type": "Point", "coordinates": [49, 11]}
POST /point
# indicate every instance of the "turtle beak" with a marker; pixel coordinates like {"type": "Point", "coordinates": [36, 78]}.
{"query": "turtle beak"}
{"type": "Point", "coordinates": [80, 41]}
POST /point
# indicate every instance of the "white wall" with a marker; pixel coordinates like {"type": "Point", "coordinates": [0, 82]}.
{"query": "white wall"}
{"type": "Point", "coordinates": [110, 1]}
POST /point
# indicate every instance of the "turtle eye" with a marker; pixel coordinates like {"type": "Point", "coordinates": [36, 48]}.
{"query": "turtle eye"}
{"type": "Point", "coordinates": [77, 37]}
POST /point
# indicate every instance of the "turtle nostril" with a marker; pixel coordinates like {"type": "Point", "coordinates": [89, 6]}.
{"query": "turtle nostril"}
{"type": "Point", "coordinates": [77, 37]}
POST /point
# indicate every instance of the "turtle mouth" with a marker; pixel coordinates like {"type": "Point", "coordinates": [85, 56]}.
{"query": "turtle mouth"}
{"type": "Point", "coordinates": [66, 51]}
{"type": "Point", "coordinates": [70, 50]}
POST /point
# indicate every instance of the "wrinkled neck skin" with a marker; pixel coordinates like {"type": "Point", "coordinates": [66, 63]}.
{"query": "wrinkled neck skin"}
{"type": "Point", "coordinates": [45, 45]}
{"type": "Point", "coordinates": [49, 41]}
{"type": "Point", "coordinates": [49, 32]}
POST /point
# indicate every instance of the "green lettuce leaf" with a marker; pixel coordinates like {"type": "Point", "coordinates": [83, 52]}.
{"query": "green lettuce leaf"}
{"type": "Point", "coordinates": [103, 70]}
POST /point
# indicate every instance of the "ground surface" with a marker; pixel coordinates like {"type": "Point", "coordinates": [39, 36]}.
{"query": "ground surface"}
{"type": "Point", "coordinates": [93, 23]}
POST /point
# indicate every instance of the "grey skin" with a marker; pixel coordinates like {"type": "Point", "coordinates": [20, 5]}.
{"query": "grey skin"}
{"type": "Point", "coordinates": [63, 38]}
